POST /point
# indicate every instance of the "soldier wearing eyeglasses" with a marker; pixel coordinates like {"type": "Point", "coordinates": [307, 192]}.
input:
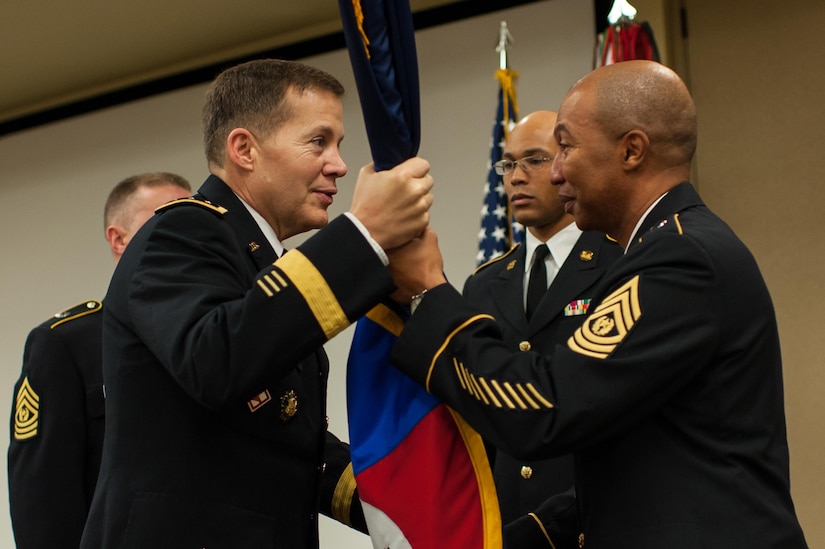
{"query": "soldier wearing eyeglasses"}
{"type": "Point", "coordinates": [575, 263]}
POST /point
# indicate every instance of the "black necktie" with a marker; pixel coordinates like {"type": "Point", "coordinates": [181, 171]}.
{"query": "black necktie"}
{"type": "Point", "coordinates": [537, 285]}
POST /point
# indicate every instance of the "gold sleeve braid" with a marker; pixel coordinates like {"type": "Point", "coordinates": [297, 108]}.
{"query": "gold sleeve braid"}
{"type": "Point", "coordinates": [342, 496]}
{"type": "Point", "coordinates": [312, 285]}
{"type": "Point", "coordinates": [447, 342]}
{"type": "Point", "coordinates": [543, 530]}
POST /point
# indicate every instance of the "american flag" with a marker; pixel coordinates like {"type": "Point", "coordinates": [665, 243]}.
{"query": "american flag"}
{"type": "Point", "coordinates": [499, 232]}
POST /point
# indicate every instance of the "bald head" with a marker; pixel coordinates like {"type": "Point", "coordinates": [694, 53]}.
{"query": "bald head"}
{"type": "Point", "coordinates": [536, 121]}
{"type": "Point", "coordinates": [650, 97]}
{"type": "Point", "coordinates": [627, 134]}
{"type": "Point", "coordinates": [534, 201]}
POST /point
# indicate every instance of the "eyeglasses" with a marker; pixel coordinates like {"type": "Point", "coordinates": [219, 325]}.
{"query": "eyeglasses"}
{"type": "Point", "coordinates": [528, 164]}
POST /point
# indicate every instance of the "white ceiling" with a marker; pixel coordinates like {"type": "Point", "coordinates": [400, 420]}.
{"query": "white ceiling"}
{"type": "Point", "coordinates": [58, 52]}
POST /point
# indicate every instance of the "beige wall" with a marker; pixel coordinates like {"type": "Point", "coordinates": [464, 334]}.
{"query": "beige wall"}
{"type": "Point", "coordinates": [757, 71]}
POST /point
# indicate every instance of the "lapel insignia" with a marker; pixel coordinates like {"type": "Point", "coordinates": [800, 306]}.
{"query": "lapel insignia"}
{"type": "Point", "coordinates": [577, 307]}
{"type": "Point", "coordinates": [610, 323]}
{"type": "Point", "coordinates": [26, 412]}
{"type": "Point", "coordinates": [253, 246]}
{"type": "Point", "coordinates": [511, 265]}
{"type": "Point", "coordinates": [586, 255]}
{"type": "Point", "coordinates": [289, 405]}
{"type": "Point", "coordinates": [259, 400]}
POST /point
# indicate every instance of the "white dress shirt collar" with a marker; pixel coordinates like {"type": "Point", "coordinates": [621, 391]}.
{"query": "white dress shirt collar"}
{"type": "Point", "coordinates": [641, 219]}
{"type": "Point", "coordinates": [560, 244]}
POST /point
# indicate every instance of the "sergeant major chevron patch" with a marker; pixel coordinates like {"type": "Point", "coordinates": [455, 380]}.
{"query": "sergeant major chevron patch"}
{"type": "Point", "coordinates": [610, 322]}
{"type": "Point", "coordinates": [26, 412]}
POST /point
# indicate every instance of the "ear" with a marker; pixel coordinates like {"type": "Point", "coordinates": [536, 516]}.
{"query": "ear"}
{"type": "Point", "coordinates": [240, 147]}
{"type": "Point", "coordinates": [116, 237]}
{"type": "Point", "coordinates": [634, 145]}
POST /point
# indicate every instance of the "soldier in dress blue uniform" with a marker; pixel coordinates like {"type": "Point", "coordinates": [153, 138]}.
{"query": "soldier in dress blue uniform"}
{"type": "Point", "coordinates": [216, 377]}
{"type": "Point", "coordinates": [57, 419]}
{"type": "Point", "coordinates": [669, 394]}
{"type": "Point", "coordinates": [576, 261]}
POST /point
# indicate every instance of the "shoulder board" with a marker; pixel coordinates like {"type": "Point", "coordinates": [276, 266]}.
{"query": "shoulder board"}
{"type": "Point", "coordinates": [83, 309]}
{"type": "Point", "coordinates": [496, 259]}
{"type": "Point", "coordinates": [610, 238]}
{"type": "Point", "coordinates": [671, 223]}
{"type": "Point", "coordinates": [192, 201]}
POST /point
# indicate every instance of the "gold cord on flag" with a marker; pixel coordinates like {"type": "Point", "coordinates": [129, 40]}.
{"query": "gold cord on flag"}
{"type": "Point", "coordinates": [507, 78]}
{"type": "Point", "coordinates": [359, 18]}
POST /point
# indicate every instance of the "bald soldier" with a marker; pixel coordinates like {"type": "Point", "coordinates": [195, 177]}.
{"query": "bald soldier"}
{"type": "Point", "coordinates": [561, 265]}
{"type": "Point", "coordinates": [670, 393]}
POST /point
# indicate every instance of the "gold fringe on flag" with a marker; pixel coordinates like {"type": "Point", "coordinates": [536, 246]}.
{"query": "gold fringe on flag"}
{"type": "Point", "coordinates": [359, 18]}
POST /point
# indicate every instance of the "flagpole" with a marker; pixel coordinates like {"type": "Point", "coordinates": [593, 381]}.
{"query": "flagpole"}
{"type": "Point", "coordinates": [498, 233]}
{"type": "Point", "coordinates": [504, 40]}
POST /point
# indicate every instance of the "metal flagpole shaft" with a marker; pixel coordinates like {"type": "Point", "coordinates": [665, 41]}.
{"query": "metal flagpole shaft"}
{"type": "Point", "coordinates": [504, 40]}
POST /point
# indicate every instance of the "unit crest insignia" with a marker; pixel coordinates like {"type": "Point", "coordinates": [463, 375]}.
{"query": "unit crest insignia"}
{"type": "Point", "coordinates": [289, 405]}
{"type": "Point", "coordinates": [610, 322]}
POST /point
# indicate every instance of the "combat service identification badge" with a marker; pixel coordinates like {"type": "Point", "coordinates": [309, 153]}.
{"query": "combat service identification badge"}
{"type": "Point", "coordinates": [26, 412]}
{"type": "Point", "coordinates": [610, 322]}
